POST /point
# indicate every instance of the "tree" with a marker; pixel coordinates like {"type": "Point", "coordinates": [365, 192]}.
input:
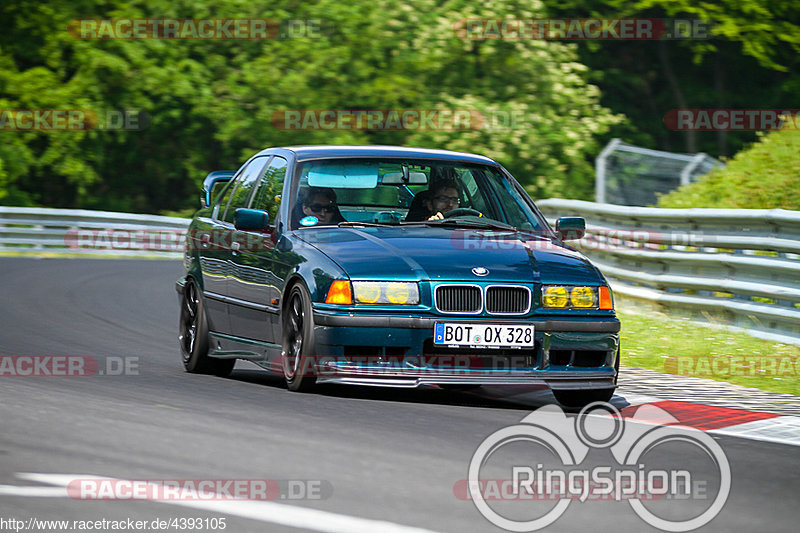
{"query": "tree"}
{"type": "Point", "coordinates": [209, 104]}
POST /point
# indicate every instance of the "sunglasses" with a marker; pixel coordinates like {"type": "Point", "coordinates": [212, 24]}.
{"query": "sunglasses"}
{"type": "Point", "coordinates": [318, 208]}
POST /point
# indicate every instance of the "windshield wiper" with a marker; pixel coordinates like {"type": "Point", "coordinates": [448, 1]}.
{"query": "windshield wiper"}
{"type": "Point", "coordinates": [479, 224]}
{"type": "Point", "coordinates": [350, 224]}
{"type": "Point", "coordinates": [470, 223]}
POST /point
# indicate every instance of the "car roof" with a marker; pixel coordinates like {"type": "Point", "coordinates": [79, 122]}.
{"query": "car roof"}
{"type": "Point", "coordinates": [323, 151]}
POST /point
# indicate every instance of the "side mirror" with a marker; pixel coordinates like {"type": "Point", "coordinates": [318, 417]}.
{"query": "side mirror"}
{"type": "Point", "coordinates": [250, 219]}
{"type": "Point", "coordinates": [571, 228]}
{"type": "Point", "coordinates": [214, 178]}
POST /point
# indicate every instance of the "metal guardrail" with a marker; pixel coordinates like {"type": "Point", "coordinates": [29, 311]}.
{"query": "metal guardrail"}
{"type": "Point", "coordinates": [737, 266]}
{"type": "Point", "coordinates": [740, 267]}
{"type": "Point", "coordinates": [83, 232]}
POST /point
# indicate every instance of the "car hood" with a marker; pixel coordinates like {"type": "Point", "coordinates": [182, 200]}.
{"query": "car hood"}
{"type": "Point", "coordinates": [446, 253]}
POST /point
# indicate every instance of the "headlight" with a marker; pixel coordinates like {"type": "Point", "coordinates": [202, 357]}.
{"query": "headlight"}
{"type": "Point", "coordinates": [555, 296]}
{"type": "Point", "coordinates": [582, 297]}
{"type": "Point", "coordinates": [386, 292]}
{"type": "Point", "coordinates": [576, 297]}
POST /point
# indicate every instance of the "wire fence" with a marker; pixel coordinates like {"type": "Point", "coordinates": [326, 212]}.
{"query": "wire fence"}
{"type": "Point", "coordinates": [629, 175]}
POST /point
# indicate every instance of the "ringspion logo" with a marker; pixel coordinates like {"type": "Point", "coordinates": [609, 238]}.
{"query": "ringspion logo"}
{"type": "Point", "coordinates": [543, 459]}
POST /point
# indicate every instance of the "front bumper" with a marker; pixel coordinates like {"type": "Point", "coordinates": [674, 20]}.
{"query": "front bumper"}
{"type": "Point", "coordinates": [569, 353]}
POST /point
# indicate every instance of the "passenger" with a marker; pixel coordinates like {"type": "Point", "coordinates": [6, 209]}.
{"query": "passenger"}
{"type": "Point", "coordinates": [443, 196]}
{"type": "Point", "coordinates": [320, 203]}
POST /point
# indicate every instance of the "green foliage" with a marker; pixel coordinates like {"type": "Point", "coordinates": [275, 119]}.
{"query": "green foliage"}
{"type": "Point", "coordinates": [766, 175]}
{"type": "Point", "coordinates": [548, 106]}
{"type": "Point", "coordinates": [762, 26]}
{"type": "Point", "coordinates": [210, 103]}
{"type": "Point", "coordinates": [748, 60]}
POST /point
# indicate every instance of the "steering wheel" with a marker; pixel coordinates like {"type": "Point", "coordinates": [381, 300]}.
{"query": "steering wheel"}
{"type": "Point", "coordinates": [462, 212]}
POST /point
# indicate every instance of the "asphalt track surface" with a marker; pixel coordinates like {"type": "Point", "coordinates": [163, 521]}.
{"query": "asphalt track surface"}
{"type": "Point", "coordinates": [384, 454]}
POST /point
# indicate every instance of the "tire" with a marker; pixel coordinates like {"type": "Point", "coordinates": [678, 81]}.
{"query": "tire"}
{"type": "Point", "coordinates": [193, 336]}
{"type": "Point", "coordinates": [298, 341]}
{"type": "Point", "coordinates": [580, 398]}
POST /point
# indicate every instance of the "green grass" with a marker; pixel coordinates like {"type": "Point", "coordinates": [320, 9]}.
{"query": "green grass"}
{"type": "Point", "coordinates": [665, 344]}
{"type": "Point", "coordinates": [765, 175]}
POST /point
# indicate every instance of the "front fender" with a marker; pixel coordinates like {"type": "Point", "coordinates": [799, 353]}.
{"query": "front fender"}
{"type": "Point", "coordinates": [313, 268]}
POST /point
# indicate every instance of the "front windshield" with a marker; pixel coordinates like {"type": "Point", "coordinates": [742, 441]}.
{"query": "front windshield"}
{"type": "Point", "coordinates": [374, 191]}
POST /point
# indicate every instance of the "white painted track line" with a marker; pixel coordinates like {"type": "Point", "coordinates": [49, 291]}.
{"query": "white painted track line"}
{"type": "Point", "coordinates": [33, 492]}
{"type": "Point", "coordinates": [263, 511]}
{"type": "Point", "coordinates": [782, 430]}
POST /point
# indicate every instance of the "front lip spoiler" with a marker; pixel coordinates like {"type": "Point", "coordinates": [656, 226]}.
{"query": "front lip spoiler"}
{"type": "Point", "coordinates": [410, 377]}
{"type": "Point", "coordinates": [413, 322]}
{"type": "Point", "coordinates": [556, 383]}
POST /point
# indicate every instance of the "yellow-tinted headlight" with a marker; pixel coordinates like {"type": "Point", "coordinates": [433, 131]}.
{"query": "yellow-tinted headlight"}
{"type": "Point", "coordinates": [398, 293]}
{"type": "Point", "coordinates": [555, 296]}
{"type": "Point", "coordinates": [582, 296]}
{"type": "Point", "coordinates": [386, 292]}
{"type": "Point", "coordinates": [367, 293]}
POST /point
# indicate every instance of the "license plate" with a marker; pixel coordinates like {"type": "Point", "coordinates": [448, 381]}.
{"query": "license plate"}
{"type": "Point", "coordinates": [482, 335]}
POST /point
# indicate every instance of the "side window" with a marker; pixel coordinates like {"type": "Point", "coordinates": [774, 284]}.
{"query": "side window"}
{"type": "Point", "coordinates": [244, 187]}
{"type": "Point", "coordinates": [223, 198]}
{"type": "Point", "coordinates": [270, 189]}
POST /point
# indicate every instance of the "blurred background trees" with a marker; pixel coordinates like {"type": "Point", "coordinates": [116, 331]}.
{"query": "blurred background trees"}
{"type": "Point", "coordinates": [210, 103]}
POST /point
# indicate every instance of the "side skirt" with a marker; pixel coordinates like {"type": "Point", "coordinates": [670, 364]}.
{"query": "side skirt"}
{"type": "Point", "coordinates": [224, 346]}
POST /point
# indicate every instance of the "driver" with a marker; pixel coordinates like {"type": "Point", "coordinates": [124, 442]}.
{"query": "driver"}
{"type": "Point", "coordinates": [443, 196]}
